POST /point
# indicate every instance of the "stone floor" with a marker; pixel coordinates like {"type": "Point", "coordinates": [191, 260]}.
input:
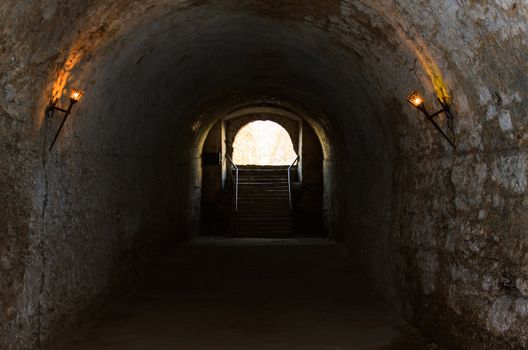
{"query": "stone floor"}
{"type": "Point", "coordinates": [250, 294]}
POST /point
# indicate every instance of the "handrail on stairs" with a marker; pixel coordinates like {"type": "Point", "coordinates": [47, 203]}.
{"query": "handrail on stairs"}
{"type": "Point", "coordinates": [235, 167]}
{"type": "Point", "coordinates": [296, 161]}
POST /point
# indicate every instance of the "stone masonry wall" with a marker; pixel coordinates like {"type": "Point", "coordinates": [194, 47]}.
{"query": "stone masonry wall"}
{"type": "Point", "coordinates": [442, 232]}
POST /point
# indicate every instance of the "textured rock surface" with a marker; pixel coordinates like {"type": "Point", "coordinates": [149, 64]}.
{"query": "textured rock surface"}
{"type": "Point", "coordinates": [442, 232]}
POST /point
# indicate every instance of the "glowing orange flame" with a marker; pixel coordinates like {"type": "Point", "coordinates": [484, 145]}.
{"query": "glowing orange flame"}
{"type": "Point", "coordinates": [76, 95]}
{"type": "Point", "coordinates": [415, 99]}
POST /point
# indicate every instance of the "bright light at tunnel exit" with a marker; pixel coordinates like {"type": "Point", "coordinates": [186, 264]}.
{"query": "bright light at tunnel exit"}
{"type": "Point", "coordinates": [263, 143]}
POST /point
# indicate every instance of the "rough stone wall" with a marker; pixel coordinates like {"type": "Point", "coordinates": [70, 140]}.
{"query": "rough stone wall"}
{"type": "Point", "coordinates": [215, 205]}
{"type": "Point", "coordinates": [79, 223]}
{"type": "Point", "coordinates": [443, 232]}
{"type": "Point", "coordinates": [457, 246]}
{"type": "Point", "coordinates": [308, 199]}
{"type": "Point", "coordinates": [462, 240]}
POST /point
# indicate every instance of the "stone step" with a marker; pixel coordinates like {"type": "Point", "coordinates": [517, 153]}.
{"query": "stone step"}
{"type": "Point", "coordinates": [262, 200]}
{"type": "Point", "coordinates": [244, 180]}
{"type": "Point", "coordinates": [279, 193]}
{"type": "Point", "coordinates": [255, 203]}
{"type": "Point", "coordinates": [262, 183]}
{"type": "Point", "coordinates": [263, 219]}
{"type": "Point", "coordinates": [263, 170]}
{"type": "Point", "coordinates": [259, 220]}
{"type": "Point", "coordinates": [266, 213]}
{"type": "Point", "coordinates": [262, 228]}
{"type": "Point", "coordinates": [263, 203]}
{"type": "Point", "coordinates": [264, 209]}
{"type": "Point", "coordinates": [257, 197]}
{"type": "Point", "coordinates": [266, 202]}
{"type": "Point", "coordinates": [267, 175]}
{"type": "Point", "coordinates": [264, 234]}
{"type": "Point", "coordinates": [262, 187]}
{"type": "Point", "coordinates": [248, 193]}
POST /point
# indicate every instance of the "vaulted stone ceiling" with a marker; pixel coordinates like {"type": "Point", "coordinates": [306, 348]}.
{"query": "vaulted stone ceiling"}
{"type": "Point", "coordinates": [437, 228]}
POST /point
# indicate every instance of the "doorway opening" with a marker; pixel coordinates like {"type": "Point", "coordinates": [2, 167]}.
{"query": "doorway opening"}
{"type": "Point", "coordinates": [263, 142]}
{"type": "Point", "coordinates": [277, 184]}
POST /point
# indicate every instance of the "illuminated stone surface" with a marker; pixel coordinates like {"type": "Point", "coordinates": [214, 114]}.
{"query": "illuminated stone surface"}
{"type": "Point", "coordinates": [435, 228]}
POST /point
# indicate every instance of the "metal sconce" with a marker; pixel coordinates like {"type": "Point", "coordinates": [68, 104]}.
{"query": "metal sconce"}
{"type": "Point", "coordinates": [419, 103]}
{"type": "Point", "coordinates": [75, 97]}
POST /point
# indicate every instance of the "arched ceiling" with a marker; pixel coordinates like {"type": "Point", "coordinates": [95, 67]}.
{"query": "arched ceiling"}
{"type": "Point", "coordinates": [350, 59]}
{"type": "Point", "coordinates": [358, 55]}
{"type": "Point", "coordinates": [158, 74]}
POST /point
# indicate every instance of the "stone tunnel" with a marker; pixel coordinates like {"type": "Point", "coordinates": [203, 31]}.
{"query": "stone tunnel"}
{"type": "Point", "coordinates": [439, 232]}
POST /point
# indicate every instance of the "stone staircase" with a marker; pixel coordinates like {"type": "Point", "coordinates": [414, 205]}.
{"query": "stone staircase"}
{"type": "Point", "coordinates": [263, 203]}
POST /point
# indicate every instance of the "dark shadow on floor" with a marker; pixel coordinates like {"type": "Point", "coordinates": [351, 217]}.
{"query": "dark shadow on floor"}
{"type": "Point", "coordinates": [250, 294]}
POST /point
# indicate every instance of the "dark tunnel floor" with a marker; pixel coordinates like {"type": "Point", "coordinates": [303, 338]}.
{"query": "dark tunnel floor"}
{"type": "Point", "coordinates": [250, 294]}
